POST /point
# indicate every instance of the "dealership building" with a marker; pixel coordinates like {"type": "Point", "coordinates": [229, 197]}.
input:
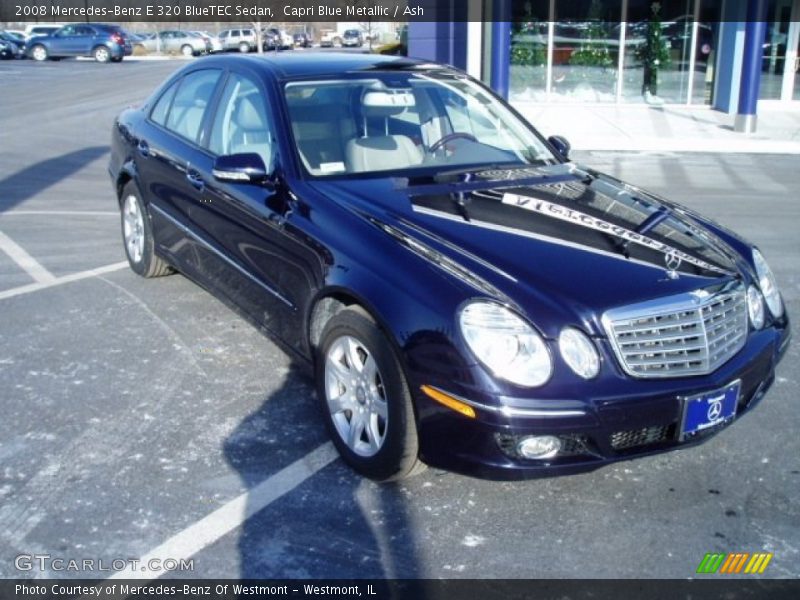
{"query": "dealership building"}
{"type": "Point", "coordinates": [726, 54]}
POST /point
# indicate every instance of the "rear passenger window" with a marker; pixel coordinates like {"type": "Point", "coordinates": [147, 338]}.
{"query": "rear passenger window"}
{"type": "Point", "coordinates": [191, 100]}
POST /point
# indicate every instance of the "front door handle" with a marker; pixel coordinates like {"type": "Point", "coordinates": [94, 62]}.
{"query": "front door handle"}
{"type": "Point", "coordinates": [144, 148]}
{"type": "Point", "coordinates": [195, 179]}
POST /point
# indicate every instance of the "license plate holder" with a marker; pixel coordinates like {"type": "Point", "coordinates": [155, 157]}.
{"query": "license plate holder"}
{"type": "Point", "coordinates": [712, 409]}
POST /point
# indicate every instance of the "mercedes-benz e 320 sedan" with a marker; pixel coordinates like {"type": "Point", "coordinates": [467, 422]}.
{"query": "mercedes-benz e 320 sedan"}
{"type": "Point", "coordinates": [465, 295]}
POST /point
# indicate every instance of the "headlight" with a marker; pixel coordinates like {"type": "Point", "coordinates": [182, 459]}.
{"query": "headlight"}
{"type": "Point", "coordinates": [505, 344]}
{"type": "Point", "coordinates": [755, 307]}
{"type": "Point", "coordinates": [768, 285]}
{"type": "Point", "coordinates": [579, 352]}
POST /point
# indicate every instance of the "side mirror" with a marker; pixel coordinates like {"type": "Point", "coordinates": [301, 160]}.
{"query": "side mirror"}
{"type": "Point", "coordinates": [560, 144]}
{"type": "Point", "coordinates": [248, 167]}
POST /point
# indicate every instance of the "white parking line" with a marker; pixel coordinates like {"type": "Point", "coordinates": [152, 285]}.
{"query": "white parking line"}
{"type": "Point", "coordinates": [35, 287]}
{"type": "Point", "coordinates": [24, 260]}
{"type": "Point", "coordinates": [228, 517]}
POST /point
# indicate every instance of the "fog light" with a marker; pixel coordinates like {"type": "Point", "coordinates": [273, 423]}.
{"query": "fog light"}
{"type": "Point", "coordinates": [539, 446]}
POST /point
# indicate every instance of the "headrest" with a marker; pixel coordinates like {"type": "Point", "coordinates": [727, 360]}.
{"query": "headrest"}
{"type": "Point", "coordinates": [248, 116]}
{"type": "Point", "coordinates": [203, 94]}
{"type": "Point", "coordinates": [385, 104]}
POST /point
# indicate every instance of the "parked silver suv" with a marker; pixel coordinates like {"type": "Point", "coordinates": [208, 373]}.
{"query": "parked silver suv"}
{"type": "Point", "coordinates": [243, 40]}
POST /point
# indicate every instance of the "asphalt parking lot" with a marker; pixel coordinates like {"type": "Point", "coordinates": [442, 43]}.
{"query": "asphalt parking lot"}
{"type": "Point", "coordinates": [137, 414]}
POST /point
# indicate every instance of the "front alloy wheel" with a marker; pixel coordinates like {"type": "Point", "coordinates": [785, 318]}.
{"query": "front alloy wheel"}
{"type": "Point", "coordinates": [356, 396]}
{"type": "Point", "coordinates": [365, 398]}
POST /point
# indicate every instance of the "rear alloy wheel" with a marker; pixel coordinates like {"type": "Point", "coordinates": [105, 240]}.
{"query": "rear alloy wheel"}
{"type": "Point", "coordinates": [137, 236]}
{"type": "Point", "coordinates": [244, 47]}
{"type": "Point", "coordinates": [102, 54]}
{"type": "Point", "coordinates": [365, 398]}
{"type": "Point", "coordinates": [39, 53]}
{"type": "Point", "coordinates": [187, 50]}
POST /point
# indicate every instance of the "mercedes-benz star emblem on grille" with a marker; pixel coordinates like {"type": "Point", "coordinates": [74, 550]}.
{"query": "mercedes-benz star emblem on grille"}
{"type": "Point", "coordinates": [673, 262]}
{"type": "Point", "coordinates": [715, 409]}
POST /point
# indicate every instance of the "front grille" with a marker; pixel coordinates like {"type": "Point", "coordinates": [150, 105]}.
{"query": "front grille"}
{"type": "Point", "coordinates": [678, 336]}
{"type": "Point", "coordinates": [622, 440]}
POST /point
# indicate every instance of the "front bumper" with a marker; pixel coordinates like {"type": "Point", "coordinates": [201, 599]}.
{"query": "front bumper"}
{"type": "Point", "coordinates": [642, 418]}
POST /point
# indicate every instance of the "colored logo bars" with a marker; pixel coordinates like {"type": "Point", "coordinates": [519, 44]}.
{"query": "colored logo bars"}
{"type": "Point", "coordinates": [735, 562]}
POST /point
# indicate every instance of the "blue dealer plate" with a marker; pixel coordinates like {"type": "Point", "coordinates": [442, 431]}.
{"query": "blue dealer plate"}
{"type": "Point", "coordinates": [709, 410]}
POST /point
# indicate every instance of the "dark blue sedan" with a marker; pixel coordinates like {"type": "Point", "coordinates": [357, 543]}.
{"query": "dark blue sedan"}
{"type": "Point", "coordinates": [465, 296]}
{"type": "Point", "coordinates": [105, 43]}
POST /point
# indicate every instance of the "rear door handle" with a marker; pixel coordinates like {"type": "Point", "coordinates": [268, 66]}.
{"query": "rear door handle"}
{"type": "Point", "coordinates": [195, 179]}
{"type": "Point", "coordinates": [144, 148]}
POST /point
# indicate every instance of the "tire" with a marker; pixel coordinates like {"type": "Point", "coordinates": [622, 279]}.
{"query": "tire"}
{"type": "Point", "coordinates": [137, 235]}
{"type": "Point", "coordinates": [40, 53]}
{"type": "Point", "coordinates": [244, 47]}
{"type": "Point", "coordinates": [102, 54]}
{"type": "Point", "coordinates": [187, 50]}
{"type": "Point", "coordinates": [365, 400]}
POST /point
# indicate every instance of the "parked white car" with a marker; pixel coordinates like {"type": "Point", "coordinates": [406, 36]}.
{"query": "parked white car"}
{"type": "Point", "coordinates": [329, 38]}
{"type": "Point", "coordinates": [212, 40]}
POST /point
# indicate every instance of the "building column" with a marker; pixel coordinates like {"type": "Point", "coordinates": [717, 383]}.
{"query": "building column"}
{"type": "Point", "coordinates": [501, 46]}
{"type": "Point", "coordinates": [443, 40]}
{"type": "Point", "coordinates": [746, 117]}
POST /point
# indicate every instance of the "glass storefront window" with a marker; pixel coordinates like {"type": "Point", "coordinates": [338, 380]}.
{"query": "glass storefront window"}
{"type": "Point", "coordinates": [528, 70]}
{"type": "Point", "coordinates": [658, 51]}
{"type": "Point", "coordinates": [668, 51]}
{"type": "Point", "coordinates": [586, 51]}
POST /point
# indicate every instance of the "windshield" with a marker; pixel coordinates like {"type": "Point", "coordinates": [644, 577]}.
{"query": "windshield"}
{"type": "Point", "coordinates": [405, 121]}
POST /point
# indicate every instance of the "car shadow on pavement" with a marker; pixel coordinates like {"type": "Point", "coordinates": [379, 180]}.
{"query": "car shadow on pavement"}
{"type": "Point", "coordinates": [30, 181]}
{"type": "Point", "coordinates": [335, 524]}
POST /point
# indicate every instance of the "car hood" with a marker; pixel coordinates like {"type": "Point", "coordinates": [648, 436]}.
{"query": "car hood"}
{"type": "Point", "coordinates": [561, 243]}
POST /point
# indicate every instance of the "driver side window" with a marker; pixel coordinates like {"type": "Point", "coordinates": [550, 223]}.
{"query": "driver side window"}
{"type": "Point", "coordinates": [241, 124]}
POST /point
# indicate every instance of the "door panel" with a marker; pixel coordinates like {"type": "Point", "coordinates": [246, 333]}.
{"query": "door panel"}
{"type": "Point", "coordinates": [168, 160]}
{"type": "Point", "coordinates": [252, 223]}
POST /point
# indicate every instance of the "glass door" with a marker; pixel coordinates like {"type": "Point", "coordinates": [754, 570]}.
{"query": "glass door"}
{"type": "Point", "coordinates": [791, 84]}
{"type": "Point", "coordinates": [773, 63]}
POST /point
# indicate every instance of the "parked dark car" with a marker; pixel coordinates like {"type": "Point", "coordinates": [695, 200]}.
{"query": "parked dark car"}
{"type": "Point", "coordinates": [16, 46]}
{"type": "Point", "coordinates": [302, 40]}
{"type": "Point", "coordinates": [106, 43]}
{"type": "Point", "coordinates": [8, 50]}
{"type": "Point", "coordinates": [465, 296]}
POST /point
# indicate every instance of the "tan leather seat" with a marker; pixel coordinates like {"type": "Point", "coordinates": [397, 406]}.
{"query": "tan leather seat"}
{"type": "Point", "coordinates": [381, 153]}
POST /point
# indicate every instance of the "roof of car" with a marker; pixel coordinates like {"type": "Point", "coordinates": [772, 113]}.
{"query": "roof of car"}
{"type": "Point", "coordinates": [289, 65]}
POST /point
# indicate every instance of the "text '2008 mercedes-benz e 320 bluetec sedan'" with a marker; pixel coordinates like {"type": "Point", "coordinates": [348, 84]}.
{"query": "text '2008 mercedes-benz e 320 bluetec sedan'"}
{"type": "Point", "coordinates": [465, 295]}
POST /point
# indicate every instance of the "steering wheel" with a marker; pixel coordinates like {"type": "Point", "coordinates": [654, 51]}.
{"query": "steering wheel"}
{"type": "Point", "coordinates": [450, 137]}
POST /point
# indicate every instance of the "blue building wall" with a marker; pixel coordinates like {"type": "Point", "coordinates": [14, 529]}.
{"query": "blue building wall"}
{"type": "Point", "coordinates": [444, 42]}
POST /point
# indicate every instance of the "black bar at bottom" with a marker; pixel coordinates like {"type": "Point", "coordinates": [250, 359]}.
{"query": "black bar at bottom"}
{"type": "Point", "coordinates": [710, 588]}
